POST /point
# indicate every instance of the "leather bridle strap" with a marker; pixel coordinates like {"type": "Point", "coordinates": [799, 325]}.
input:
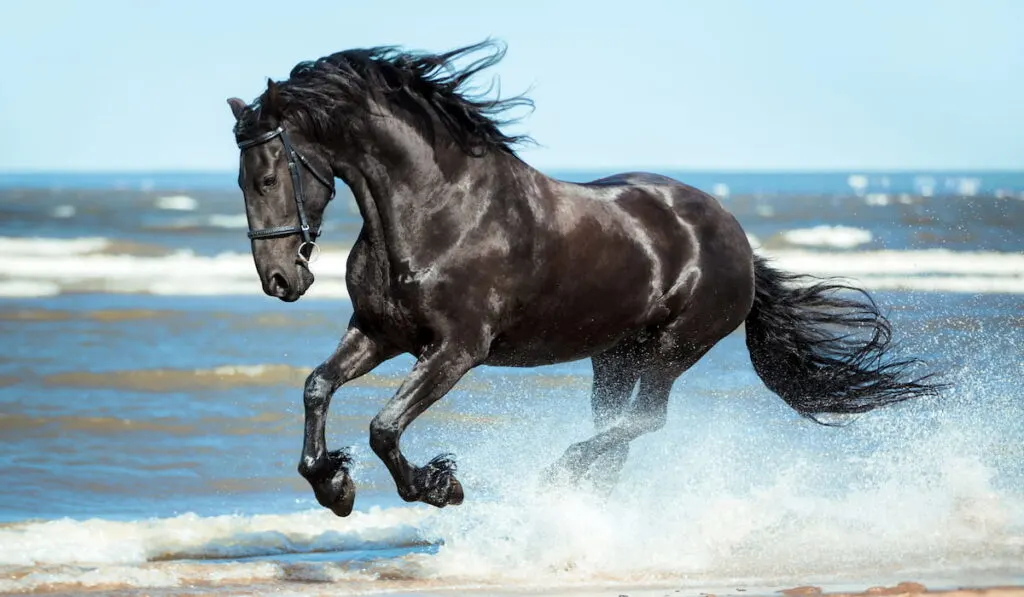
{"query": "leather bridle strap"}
{"type": "Point", "coordinates": [294, 160]}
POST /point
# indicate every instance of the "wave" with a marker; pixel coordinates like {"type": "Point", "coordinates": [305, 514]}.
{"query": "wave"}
{"type": "Point", "coordinates": [45, 267]}
{"type": "Point", "coordinates": [23, 288]}
{"type": "Point", "coordinates": [52, 247]}
{"type": "Point", "coordinates": [217, 378]}
{"type": "Point", "coordinates": [177, 203]}
{"type": "Point", "coordinates": [233, 221]}
{"type": "Point", "coordinates": [193, 537]}
{"type": "Point", "coordinates": [190, 224]}
{"type": "Point", "coordinates": [65, 554]}
{"type": "Point", "coordinates": [837, 237]}
{"type": "Point", "coordinates": [695, 534]}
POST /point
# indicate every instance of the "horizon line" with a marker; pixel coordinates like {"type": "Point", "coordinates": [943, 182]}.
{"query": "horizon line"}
{"type": "Point", "coordinates": [624, 168]}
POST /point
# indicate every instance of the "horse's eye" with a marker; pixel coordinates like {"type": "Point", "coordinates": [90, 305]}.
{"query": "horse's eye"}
{"type": "Point", "coordinates": [269, 181]}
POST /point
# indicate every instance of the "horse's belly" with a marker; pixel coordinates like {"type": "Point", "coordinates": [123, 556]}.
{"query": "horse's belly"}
{"type": "Point", "coordinates": [598, 288]}
{"type": "Point", "coordinates": [538, 354]}
{"type": "Point", "coordinates": [574, 330]}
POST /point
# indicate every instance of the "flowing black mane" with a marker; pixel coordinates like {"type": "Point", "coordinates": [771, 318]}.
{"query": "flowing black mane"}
{"type": "Point", "coordinates": [320, 95]}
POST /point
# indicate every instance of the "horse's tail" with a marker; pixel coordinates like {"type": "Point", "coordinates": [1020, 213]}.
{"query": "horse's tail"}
{"type": "Point", "coordinates": [824, 353]}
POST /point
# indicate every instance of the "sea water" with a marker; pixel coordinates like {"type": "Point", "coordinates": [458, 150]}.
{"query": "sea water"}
{"type": "Point", "coordinates": [151, 418]}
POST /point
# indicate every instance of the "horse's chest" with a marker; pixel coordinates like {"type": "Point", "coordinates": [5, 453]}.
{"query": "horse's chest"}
{"type": "Point", "coordinates": [376, 306]}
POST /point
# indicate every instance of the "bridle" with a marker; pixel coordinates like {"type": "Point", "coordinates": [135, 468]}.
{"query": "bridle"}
{"type": "Point", "coordinates": [294, 159]}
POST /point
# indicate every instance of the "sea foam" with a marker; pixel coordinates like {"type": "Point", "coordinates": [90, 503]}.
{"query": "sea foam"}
{"type": "Point", "coordinates": [45, 266]}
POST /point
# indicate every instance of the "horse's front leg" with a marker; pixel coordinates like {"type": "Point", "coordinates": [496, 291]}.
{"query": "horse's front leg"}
{"type": "Point", "coordinates": [327, 472]}
{"type": "Point", "coordinates": [434, 374]}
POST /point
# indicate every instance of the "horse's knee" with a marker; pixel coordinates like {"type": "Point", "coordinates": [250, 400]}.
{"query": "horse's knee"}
{"type": "Point", "coordinates": [317, 389]}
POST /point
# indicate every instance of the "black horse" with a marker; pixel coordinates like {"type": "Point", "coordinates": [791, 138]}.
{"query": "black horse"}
{"type": "Point", "coordinates": [469, 256]}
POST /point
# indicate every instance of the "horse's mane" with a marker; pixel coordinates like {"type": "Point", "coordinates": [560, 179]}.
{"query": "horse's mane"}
{"type": "Point", "coordinates": [423, 84]}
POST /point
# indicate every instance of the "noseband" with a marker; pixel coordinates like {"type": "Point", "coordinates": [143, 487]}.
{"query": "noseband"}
{"type": "Point", "coordinates": [294, 159]}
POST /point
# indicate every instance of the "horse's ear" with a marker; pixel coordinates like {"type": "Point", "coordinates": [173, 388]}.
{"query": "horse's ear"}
{"type": "Point", "coordinates": [272, 100]}
{"type": "Point", "coordinates": [237, 106]}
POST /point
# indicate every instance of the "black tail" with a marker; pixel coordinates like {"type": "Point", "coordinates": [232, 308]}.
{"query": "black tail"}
{"type": "Point", "coordinates": [824, 353]}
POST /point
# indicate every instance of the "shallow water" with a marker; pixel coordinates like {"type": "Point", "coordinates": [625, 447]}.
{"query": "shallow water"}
{"type": "Point", "coordinates": [150, 416]}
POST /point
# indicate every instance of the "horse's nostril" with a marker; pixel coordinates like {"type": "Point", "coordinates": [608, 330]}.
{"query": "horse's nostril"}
{"type": "Point", "coordinates": [278, 285]}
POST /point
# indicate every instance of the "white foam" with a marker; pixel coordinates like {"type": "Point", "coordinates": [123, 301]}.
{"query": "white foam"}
{"type": "Point", "coordinates": [779, 532]}
{"type": "Point", "coordinates": [907, 263]}
{"type": "Point", "coordinates": [925, 185]}
{"type": "Point", "coordinates": [74, 266]}
{"type": "Point", "coordinates": [706, 507]}
{"type": "Point", "coordinates": [63, 211]}
{"type": "Point", "coordinates": [98, 541]}
{"type": "Point", "coordinates": [177, 203]}
{"type": "Point", "coordinates": [51, 247]}
{"type": "Point", "coordinates": [159, 553]}
{"type": "Point", "coordinates": [962, 284]}
{"type": "Point", "coordinates": [877, 199]}
{"type": "Point", "coordinates": [227, 221]}
{"type": "Point", "coordinates": [28, 288]}
{"type": "Point", "coordinates": [839, 237]}
{"type": "Point", "coordinates": [707, 500]}
{"type": "Point", "coordinates": [233, 221]}
{"type": "Point", "coordinates": [967, 186]}
{"type": "Point", "coordinates": [43, 266]}
{"type": "Point", "coordinates": [857, 182]}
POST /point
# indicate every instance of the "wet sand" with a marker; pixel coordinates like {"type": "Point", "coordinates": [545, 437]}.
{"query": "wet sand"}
{"type": "Point", "coordinates": [903, 589]}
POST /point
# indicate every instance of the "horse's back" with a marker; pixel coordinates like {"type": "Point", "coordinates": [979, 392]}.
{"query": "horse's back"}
{"type": "Point", "coordinates": [713, 226]}
{"type": "Point", "coordinates": [722, 258]}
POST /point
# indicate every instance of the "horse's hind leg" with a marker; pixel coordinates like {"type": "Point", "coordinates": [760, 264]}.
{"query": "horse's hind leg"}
{"type": "Point", "coordinates": [615, 375]}
{"type": "Point", "coordinates": [646, 414]}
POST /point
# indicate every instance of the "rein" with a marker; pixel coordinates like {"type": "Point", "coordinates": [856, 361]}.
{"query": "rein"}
{"type": "Point", "coordinates": [294, 160]}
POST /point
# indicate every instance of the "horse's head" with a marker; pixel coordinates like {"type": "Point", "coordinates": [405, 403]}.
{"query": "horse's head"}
{"type": "Point", "coordinates": [286, 181]}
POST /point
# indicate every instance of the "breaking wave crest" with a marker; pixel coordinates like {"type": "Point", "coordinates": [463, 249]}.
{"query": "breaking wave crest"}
{"type": "Point", "coordinates": [66, 554]}
{"type": "Point", "coordinates": [192, 537]}
{"type": "Point", "coordinates": [46, 267]}
{"type": "Point", "coordinates": [838, 237]}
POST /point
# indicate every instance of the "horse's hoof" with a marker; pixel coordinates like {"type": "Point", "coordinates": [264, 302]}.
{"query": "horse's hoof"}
{"type": "Point", "coordinates": [346, 499]}
{"type": "Point", "coordinates": [337, 493]}
{"type": "Point", "coordinates": [456, 495]}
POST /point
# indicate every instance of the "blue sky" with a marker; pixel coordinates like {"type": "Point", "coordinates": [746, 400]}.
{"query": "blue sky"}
{"type": "Point", "coordinates": [723, 84]}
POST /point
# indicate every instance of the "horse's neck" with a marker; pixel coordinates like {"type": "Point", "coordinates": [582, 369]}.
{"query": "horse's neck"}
{"type": "Point", "coordinates": [400, 203]}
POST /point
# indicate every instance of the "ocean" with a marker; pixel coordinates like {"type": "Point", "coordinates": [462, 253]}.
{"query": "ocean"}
{"type": "Point", "coordinates": [151, 417]}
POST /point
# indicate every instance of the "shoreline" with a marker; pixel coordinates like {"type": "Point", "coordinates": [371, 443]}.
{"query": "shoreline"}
{"type": "Point", "coordinates": [1010, 586]}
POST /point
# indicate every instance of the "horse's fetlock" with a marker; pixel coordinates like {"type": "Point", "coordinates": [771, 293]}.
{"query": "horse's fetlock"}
{"type": "Point", "coordinates": [311, 466]}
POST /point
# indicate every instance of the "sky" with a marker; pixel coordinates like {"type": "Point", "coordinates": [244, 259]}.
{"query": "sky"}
{"type": "Point", "coordinates": [105, 85]}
